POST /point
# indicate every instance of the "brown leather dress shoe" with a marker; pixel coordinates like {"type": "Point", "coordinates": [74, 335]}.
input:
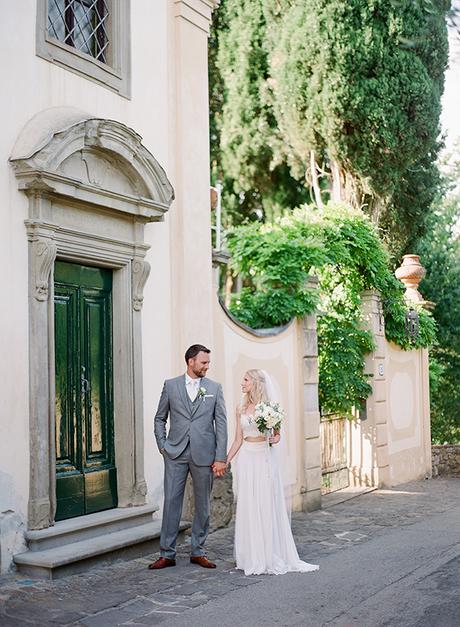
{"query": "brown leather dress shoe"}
{"type": "Point", "coordinates": [162, 562]}
{"type": "Point", "coordinates": [202, 560]}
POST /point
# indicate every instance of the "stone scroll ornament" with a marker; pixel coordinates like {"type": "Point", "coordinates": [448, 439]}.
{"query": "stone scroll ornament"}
{"type": "Point", "coordinates": [140, 272]}
{"type": "Point", "coordinates": [44, 254]}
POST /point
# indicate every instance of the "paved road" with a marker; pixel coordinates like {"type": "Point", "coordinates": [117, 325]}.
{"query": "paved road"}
{"type": "Point", "coordinates": [389, 558]}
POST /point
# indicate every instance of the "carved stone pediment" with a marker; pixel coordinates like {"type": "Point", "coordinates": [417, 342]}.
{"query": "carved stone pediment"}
{"type": "Point", "coordinates": [104, 170]}
{"type": "Point", "coordinates": [93, 161]}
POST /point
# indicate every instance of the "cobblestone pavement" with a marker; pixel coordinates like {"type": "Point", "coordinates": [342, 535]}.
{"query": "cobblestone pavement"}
{"type": "Point", "coordinates": [127, 593]}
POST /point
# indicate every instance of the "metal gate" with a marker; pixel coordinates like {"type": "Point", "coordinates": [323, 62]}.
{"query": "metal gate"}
{"type": "Point", "coordinates": [334, 453]}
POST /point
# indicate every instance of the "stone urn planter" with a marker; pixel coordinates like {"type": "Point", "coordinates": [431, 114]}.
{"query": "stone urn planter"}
{"type": "Point", "coordinates": [410, 273]}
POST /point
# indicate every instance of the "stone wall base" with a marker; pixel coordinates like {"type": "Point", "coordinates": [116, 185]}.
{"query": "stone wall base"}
{"type": "Point", "coordinates": [446, 460]}
{"type": "Point", "coordinates": [221, 502]}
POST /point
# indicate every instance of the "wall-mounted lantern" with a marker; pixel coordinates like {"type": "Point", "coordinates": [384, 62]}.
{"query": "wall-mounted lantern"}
{"type": "Point", "coordinates": [412, 325]}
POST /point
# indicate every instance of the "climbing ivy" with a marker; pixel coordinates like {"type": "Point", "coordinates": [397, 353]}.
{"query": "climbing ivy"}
{"type": "Point", "coordinates": [343, 249]}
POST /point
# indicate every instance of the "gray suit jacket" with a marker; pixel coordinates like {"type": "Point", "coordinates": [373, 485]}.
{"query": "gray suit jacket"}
{"type": "Point", "coordinates": [204, 425]}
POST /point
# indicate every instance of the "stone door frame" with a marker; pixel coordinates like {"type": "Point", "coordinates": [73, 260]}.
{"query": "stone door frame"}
{"type": "Point", "coordinates": [106, 230]}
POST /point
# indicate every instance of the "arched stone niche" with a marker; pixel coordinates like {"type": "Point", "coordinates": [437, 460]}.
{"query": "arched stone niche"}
{"type": "Point", "coordinates": [92, 186]}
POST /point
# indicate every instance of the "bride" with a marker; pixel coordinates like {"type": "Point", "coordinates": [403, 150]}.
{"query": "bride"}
{"type": "Point", "coordinates": [263, 536]}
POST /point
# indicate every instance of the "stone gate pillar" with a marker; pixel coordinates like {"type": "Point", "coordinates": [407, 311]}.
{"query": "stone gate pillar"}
{"type": "Point", "coordinates": [311, 485]}
{"type": "Point", "coordinates": [368, 454]}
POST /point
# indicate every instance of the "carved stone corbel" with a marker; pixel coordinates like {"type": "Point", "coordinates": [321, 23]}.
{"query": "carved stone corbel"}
{"type": "Point", "coordinates": [140, 273]}
{"type": "Point", "coordinates": [43, 257]}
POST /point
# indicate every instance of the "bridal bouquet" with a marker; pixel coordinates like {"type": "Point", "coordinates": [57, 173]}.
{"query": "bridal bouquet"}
{"type": "Point", "coordinates": [268, 416]}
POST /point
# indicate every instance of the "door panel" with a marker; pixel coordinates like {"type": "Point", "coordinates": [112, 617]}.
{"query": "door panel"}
{"type": "Point", "coordinates": [70, 494]}
{"type": "Point", "coordinates": [100, 477]}
{"type": "Point", "coordinates": [64, 306]}
{"type": "Point", "coordinates": [86, 473]}
{"type": "Point", "coordinates": [99, 489]}
{"type": "Point", "coordinates": [97, 406]}
{"type": "Point", "coordinates": [69, 479]}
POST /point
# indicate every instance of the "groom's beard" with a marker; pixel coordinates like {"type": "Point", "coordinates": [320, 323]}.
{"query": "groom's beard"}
{"type": "Point", "coordinates": [201, 372]}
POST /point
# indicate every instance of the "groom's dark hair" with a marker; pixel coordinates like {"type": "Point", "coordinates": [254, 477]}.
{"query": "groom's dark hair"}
{"type": "Point", "coordinates": [193, 351]}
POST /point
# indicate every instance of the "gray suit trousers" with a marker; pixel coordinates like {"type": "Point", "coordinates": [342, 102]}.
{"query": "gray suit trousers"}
{"type": "Point", "coordinates": [176, 472]}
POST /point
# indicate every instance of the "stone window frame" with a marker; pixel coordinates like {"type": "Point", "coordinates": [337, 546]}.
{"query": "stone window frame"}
{"type": "Point", "coordinates": [38, 173]}
{"type": "Point", "coordinates": [115, 75]}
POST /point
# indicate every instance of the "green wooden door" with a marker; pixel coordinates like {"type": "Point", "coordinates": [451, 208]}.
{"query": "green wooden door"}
{"type": "Point", "coordinates": [86, 477]}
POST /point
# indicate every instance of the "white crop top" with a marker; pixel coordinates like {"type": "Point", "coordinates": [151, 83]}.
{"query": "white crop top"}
{"type": "Point", "coordinates": [249, 427]}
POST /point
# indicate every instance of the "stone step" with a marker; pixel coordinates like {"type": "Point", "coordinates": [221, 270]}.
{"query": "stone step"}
{"type": "Point", "coordinates": [74, 557]}
{"type": "Point", "coordinates": [89, 526]}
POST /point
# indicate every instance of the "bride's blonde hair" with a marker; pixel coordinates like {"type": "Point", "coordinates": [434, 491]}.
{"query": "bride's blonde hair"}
{"type": "Point", "coordinates": [258, 392]}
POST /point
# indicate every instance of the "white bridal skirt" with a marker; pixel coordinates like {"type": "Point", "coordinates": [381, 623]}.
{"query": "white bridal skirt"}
{"type": "Point", "coordinates": [263, 536]}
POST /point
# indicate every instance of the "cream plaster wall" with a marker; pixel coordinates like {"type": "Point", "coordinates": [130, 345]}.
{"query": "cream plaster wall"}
{"type": "Point", "coordinates": [236, 351]}
{"type": "Point", "coordinates": [168, 108]}
{"type": "Point", "coordinates": [409, 437]}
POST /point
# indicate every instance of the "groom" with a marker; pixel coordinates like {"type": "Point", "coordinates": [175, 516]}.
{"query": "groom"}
{"type": "Point", "coordinates": [196, 443]}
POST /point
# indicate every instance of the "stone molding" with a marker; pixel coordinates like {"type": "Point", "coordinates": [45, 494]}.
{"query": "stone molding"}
{"type": "Point", "coordinates": [197, 12]}
{"type": "Point", "coordinates": [271, 332]}
{"type": "Point", "coordinates": [39, 513]}
{"type": "Point", "coordinates": [91, 186]}
{"type": "Point", "coordinates": [139, 492]}
{"type": "Point", "coordinates": [109, 144]}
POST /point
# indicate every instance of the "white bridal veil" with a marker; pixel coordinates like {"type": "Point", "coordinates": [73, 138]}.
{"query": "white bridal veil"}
{"type": "Point", "coordinates": [280, 452]}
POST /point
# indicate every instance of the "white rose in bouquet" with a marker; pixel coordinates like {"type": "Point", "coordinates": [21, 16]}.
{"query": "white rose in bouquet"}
{"type": "Point", "coordinates": [268, 417]}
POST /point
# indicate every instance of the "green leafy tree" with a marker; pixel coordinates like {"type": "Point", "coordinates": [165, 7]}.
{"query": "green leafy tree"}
{"type": "Point", "coordinates": [407, 217]}
{"type": "Point", "coordinates": [342, 98]}
{"type": "Point", "coordinates": [247, 119]}
{"type": "Point", "coordinates": [440, 253]}
{"type": "Point", "coordinates": [360, 82]}
{"type": "Point", "coordinates": [241, 118]}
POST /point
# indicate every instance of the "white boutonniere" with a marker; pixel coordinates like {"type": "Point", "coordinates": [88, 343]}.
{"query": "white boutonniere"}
{"type": "Point", "coordinates": [202, 394]}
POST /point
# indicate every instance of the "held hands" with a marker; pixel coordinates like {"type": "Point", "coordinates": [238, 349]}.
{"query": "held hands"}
{"type": "Point", "coordinates": [219, 468]}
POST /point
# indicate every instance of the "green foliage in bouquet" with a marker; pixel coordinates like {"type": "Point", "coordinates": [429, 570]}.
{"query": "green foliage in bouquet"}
{"type": "Point", "coordinates": [343, 249]}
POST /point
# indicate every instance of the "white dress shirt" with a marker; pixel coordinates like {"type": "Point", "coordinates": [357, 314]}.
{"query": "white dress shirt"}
{"type": "Point", "coordinates": [192, 386]}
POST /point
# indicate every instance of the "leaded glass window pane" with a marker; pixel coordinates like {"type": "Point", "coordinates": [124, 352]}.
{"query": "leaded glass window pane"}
{"type": "Point", "coordinates": [82, 24]}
